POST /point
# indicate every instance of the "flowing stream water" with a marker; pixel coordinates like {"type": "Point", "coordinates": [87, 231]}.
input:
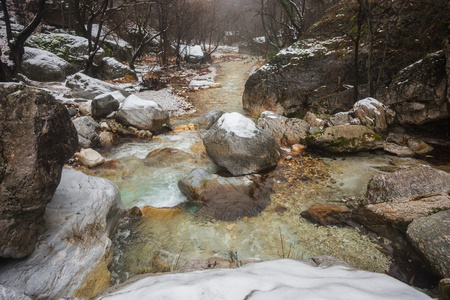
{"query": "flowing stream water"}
{"type": "Point", "coordinates": [169, 234]}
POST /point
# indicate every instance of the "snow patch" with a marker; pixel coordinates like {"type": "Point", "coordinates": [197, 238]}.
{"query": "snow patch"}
{"type": "Point", "coordinates": [133, 102]}
{"type": "Point", "coordinates": [279, 279]}
{"type": "Point", "coordinates": [238, 124]}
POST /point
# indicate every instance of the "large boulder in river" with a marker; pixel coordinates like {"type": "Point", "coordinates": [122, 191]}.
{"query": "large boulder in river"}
{"type": "Point", "coordinates": [286, 131]}
{"type": "Point", "coordinates": [236, 143]}
{"type": "Point", "coordinates": [225, 198]}
{"type": "Point", "coordinates": [345, 138]}
{"type": "Point", "coordinates": [418, 92]}
{"type": "Point", "coordinates": [37, 138]}
{"type": "Point", "coordinates": [84, 86]}
{"type": "Point", "coordinates": [72, 256]}
{"type": "Point", "coordinates": [299, 76]}
{"type": "Point", "coordinates": [431, 237]}
{"type": "Point", "coordinates": [143, 114]}
{"type": "Point", "coordinates": [42, 65]}
{"type": "Point", "coordinates": [88, 132]}
{"type": "Point", "coordinates": [399, 198]}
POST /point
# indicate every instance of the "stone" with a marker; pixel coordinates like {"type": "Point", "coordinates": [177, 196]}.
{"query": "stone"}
{"type": "Point", "coordinates": [208, 119]}
{"type": "Point", "coordinates": [90, 158]}
{"type": "Point", "coordinates": [42, 65]}
{"type": "Point", "coordinates": [327, 214]}
{"type": "Point", "coordinates": [418, 92]}
{"type": "Point", "coordinates": [106, 138]}
{"type": "Point", "coordinates": [37, 138]}
{"type": "Point", "coordinates": [286, 131]}
{"type": "Point", "coordinates": [401, 151]}
{"type": "Point", "coordinates": [104, 104]}
{"type": "Point", "coordinates": [81, 216]}
{"type": "Point", "coordinates": [166, 157]}
{"type": "Point", "coordinates": [181, 128]}
{"type": "Point", "coordinates": [298, 148]}
{"type": "Point", "coordinates": [237, 144]}
{"type": "Point", "coordinates": [341, 118]}
{"type": "Point", "coordinates": [110, 68]}
{"type": "Point", "coordinates": [400, 197]}
{"type": "Point", "coordinates": [312, 120]}
{"type": "Point", "coordinates": [345, 138]}
{"type": "Point", "coordinates": [225, 198]}
{"type": "Point", "coordinates": [143, 114]}
{"type": "Point", "coordinates": [371, 113]}
{"type": "Point", "coordinates": [444, 288]}
{"type": "Point", "coordinates": [71, 48]}
{"type": "Point", "coordinates": [419, 147]}
{"type": "Point", "coordinates": [88, 131]}
{"type": "Point", "coordinates": [84, 86]}
{"type": "Point", "coordinates": [85, 108]}
{"type": "Point", "coordinates": [431, 237]}
{"type": "Point", "coordinates": [12, 293]}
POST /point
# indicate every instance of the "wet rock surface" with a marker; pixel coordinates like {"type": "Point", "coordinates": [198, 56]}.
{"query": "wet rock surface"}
{"type": "Point", "coordinates": [431, 237]}
{"type": "Point", "coordinates": [37, 138]}
{"type": "Point", "coordinates": [88, 130]}
{"type": "Point", "coordinates": [286, 131]}
{"type": "Point", "coordinates": [327, 214]}
{"type": "Point", "coordinates": [234, 142]}
{"type": "Point", "coordinates": [225, 198]}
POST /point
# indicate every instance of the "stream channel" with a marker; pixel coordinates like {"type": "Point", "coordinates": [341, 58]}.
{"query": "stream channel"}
{"type": "Point", "coordinates": [169, 233]}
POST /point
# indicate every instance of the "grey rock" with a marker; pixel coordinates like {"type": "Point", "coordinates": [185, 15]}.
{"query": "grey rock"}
{"type": "Point", "coordinates": [143, 114]}
{"type": "Point", "coordinates": [341, 118]}
{"type": "Point", "coordinates": [88, 131]}
{"type": "Point", "coordinates": [236, 143]}
{"type": "Point", "coordinates": [418, 92]}
{"type": "Point", "coordinates": [103, 105]}
{"type": "Point", "coordinates": [37, 138]}
{"type": "Point", "coordinates": [225, 198]}
{"type": "Point", "coordinates": [42, 65]}
{"type": "Point", "coordinates": [208, 119]}
{"type": "Point", "coordinates": [400, 197]}
{"type": "Point", "coordinates": [7, 292]}
{"type": "Point", "coordinates": [418, 146]}
{"type": "Point", "coordinates": [371, 113]}
{"type": "Point", "coordinates": [397, 149]}
{"type": "Point", "coordinates": [313, 120]}
{"type": "Point", "coordinates": [345, 138]}
{"type": "Point", "coordinates": [79, 220]}
{"type": "Point", "coordinates": [286, 131]}
{"type": "Point", "coordinates": [110, 68]}
{"type": "Point", "coordinates": [84, 86]}
{"type": "Point", "coordinates": [431, 237]}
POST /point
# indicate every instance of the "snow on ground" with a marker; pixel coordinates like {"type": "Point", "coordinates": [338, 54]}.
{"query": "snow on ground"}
{"type": "Point", "coordinates": [279, 279]}
{"type": "Point", "coordinates": [238, 124]}
{"type": "Point", "coordinates": [168, 100]}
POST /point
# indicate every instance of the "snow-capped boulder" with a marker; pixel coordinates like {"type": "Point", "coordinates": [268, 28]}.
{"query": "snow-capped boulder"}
{"type": "Point", "coordinates": [345, 138]}
{"type": "Point", "coordinates": [71, 48]}
{"type": "Point", "coordinates": [84, 86]}
{"type": "Point", "coordinates": [236, 143]}
{"type": "Point", "coordinates": [191, 54]}
{"type": "Point", "coordinates": [371, 113]}
{"type": "Point", "coordinates": [225, 198]}
{"type": "Point", "coordinates": [405, 195]}
{"type": "Point", "coordinates": [110, 68]}
{"type": "Point", "coordinates": [143, 114]}
{"type": "Point", "coordinates": [42, 65]}
{"type": "Point", "coordinates": [278, 279]}
{"type": "Point", "coordinates": [431, 237]}
{"type": "Point", "coordinates": [71, 258]}
{"type": "Point", "coordinates": [88, 131]}
{"type": "Point", "coordinates": [286, 131]}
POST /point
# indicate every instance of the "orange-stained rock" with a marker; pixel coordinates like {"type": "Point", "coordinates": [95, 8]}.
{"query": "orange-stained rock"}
{"type": "Point", "coordinates": [198, 148]}
{"type": "Point", "coordinates": [297, 148]}
{"type": "Point", "coordinates": [327, 214]}
{"type": "Point", "coordinates": [181, 128]}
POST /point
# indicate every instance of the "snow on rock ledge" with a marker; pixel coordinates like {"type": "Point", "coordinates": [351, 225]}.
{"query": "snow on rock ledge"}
{"type": "Point", "coordinates": [143, 114]}
{"type": "Point", "coordinates": [236, 143]}
{"type": "Point", "coordinates": [79, 220]}
{"type": "Point", "coordinates": [280, 279]}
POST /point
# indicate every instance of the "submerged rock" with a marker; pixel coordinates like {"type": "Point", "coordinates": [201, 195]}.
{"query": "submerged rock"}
{"type": "Point", "coordinates": [167, 157]}
{"type": "Point", "coordinates": [72, 255]}
{"type": "Point", "coordinates": [286, 131]}
{"type": "Point", "coordinates": [400, 197]}
{"type": "Point", "coordinates": [236, 143]}
{"type": "Point", "coordinates": [225, 198]}
{"type": "Point", "coordinates": [345, 138]}
{"type": "Point", "coordinates": [143, 114]}
{"type": "Point", "coordinates": [431, 237]}
{"type": "Point", "coordinates": [327, 214]}
{"type": "Point", "coordinates": [88, 131]}
{"type": "Point", "coordinates": [37, 138]}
